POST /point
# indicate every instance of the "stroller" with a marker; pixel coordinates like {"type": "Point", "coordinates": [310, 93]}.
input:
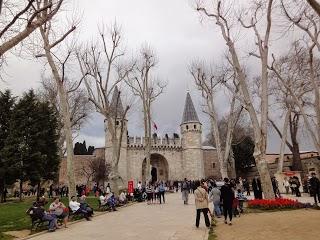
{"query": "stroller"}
{"type": "Point", "coordinates": [236, 207]}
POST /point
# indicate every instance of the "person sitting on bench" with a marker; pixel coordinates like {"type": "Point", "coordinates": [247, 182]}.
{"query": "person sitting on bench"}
{"type": "Point", "coordinates": [40, 213]}
{"type": "Point", "coordinates": [76, 209]}
{"type": "Point", "coordinates": [58, 209]}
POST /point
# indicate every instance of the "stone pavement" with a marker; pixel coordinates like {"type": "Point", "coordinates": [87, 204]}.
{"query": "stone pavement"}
{"type": "Point", "coordinates": [170, 221]}
{"type": "Point", "coordinates": [284, 225]}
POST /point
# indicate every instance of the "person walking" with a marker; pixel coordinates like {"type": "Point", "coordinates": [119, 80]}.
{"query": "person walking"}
{"type": "Point", "coordinates": [202, 203]}
{"type": "Point", "coordinates": [214, 196]}
{"type": "Point", "coordinates": [315, 188]}
{"type": "Point", "coordinates": [185, 191]}
{"type": "Point", "coordinates": [227, 197]}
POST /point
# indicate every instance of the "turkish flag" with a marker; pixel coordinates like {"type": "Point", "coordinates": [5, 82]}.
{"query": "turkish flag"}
{"type": "Point", "coordinates": [155, 126]}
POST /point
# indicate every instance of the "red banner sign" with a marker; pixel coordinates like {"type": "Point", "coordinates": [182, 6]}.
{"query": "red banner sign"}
{"type": "Point", "coordinates": [130, 186]}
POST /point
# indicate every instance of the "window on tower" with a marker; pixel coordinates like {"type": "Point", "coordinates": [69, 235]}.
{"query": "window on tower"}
{"type": "Point", "coordinates": [195, 126]}
{"type": "Point", "coordinates": [187, 127]}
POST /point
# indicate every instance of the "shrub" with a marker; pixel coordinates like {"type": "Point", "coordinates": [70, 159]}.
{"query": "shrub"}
{"type": "Point", "coordinates": [278, 203]}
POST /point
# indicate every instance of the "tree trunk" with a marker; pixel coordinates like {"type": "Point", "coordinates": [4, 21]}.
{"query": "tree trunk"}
{"type": "Point", "coordinates": [69, 142]}
{"type": "Point", "coordinates": [20, 190]}
{"type": "Point", "coordinates": [283, 140]}
{"type": "Point", "coordinates": [38, 191]}
{"type": "Point", "coordinates": [2, 190]}
{"type": "Point", "coordinates": [315, 5]}
{"type": "Point", "coordinates": [296, 160]}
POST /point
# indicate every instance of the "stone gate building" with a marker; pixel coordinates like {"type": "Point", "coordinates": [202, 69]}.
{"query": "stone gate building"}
{"type": "Point", "coordinates": [172, 158]}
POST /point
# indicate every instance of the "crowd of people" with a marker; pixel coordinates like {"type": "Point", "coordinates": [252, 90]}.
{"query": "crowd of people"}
{"type": "Point", "coordinates": [226, 196]}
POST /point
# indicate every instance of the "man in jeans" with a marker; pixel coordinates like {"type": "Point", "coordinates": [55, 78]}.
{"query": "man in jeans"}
{"type": "Point", "coordinates": [161, 192]}
{"type": "Point", "coordinates": [40, 213]}
{"type": "Point", "coordinates": [315, 188]}
{"type": "Point", "coordinates": [185, 191]}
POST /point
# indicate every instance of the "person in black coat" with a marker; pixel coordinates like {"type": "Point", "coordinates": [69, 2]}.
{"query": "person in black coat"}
{"type": "Point", "coordinates": [227, 197]}
{"type": "Point", "coordinates": [255, 189]}
{"type": "Point", "coordinates": [259, 188]}
{"type": "Point", "coordinates": [315, 187]}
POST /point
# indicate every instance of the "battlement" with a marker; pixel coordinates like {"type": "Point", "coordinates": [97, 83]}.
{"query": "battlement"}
{"type": "Point", "coordinates": [156, 143]}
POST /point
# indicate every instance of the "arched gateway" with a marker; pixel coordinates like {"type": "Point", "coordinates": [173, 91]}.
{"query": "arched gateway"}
{"type": "Point", "coordinates": [158, 166]}
{"type": "Point", "coordinates": [173, 157]}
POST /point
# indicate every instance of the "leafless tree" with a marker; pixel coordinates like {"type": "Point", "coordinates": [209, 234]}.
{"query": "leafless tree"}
{"type": "Point", "coordinates": [293, 67]}
{"type": "Point", "coordinates": [208, 82]}
{"type": "Point", "coordinates": [105, 65]}
{"type": "Point", "coordinates": [96, 170]}
{"type": "Point", "coordinates": [223, 18]}
{"type": "Point", "coordinates": [57, 61]}
{"type": "Point", "coordinates": [80, 107]}
{"type": "Point", "coordinates": [308, 23]}
{"type": "Point", "coordinates": [147, 88]}
{"type": "Point", "coordinates": [19, 19]}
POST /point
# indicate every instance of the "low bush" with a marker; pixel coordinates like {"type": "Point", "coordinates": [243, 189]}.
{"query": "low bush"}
{"type": "Point", "coordinates": [272, 204]}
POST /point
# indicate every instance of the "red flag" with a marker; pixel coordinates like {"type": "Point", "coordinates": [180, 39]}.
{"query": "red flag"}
{"type": "Point", "coordinates": [155, 126]}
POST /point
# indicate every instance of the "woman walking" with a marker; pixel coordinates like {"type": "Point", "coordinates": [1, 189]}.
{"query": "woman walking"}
{"type": "Point", "coordinates": [202, 202]}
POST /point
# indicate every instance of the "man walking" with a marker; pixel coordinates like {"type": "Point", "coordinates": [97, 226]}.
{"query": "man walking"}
{"type": "Point", "coordinates": [185, 191]}
{"type": "Point", "coordinates": [202, 202]}
{"type": "Point", "coordinates": [315, 188]}
{"type": "Point", "coordinates": [227, 197]}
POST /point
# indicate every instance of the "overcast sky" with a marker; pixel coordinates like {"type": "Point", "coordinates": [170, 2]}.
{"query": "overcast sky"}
{"type": "Point", "coordinates": [173, 29]}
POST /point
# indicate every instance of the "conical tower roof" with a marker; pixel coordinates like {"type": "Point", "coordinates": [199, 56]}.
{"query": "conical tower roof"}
{"type": "Point", "coordinates": [189, 113]}
{"type": "Point", "coordinates": [116, 106]}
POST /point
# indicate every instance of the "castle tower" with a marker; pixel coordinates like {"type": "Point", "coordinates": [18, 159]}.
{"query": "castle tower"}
{"type": "Point", "coordinates": [191, 130]}
{"type": "Point", "coordinates": [117, 112]}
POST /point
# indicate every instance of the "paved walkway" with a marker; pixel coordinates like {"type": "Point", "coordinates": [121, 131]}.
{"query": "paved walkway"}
{"type": "Point", "coordinates": [170, 221]}
{"type": "Point", "coordinates": [285, 225]}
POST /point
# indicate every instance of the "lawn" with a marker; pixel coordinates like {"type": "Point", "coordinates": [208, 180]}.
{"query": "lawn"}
{"type": "Point", "coordinates": [13, 214]}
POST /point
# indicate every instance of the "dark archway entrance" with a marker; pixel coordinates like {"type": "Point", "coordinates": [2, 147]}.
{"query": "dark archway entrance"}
{"type": "Point", "coordinates": [159, 168]}
{"type": "Point", "coordinates": [154, 174]}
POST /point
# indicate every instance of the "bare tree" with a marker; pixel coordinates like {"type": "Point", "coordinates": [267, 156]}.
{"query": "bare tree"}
{"type": "Point", "coordinates": [222, 18]}
{"type": "Point", "coordinates": [19, 19]}
{"type": "Point", "coordinates": [57, 62]}
{"type": "Point", "coordinates": [80, 107]}
{"type": "Point", "coordinates": [145, 86]}
{"type": "Point", "coordinates": [96, 170]}
{"type": "Point", "coordinates": [293, 67]}
{"type": "Point", "coordinates": [308, 23]}
{"type": "Point", "coordinates": [208, 82]}
{"type": "Point", "coordinates": [106, 68]}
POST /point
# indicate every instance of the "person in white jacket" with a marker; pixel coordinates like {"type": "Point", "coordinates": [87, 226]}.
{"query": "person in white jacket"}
{"type": "Point", "coordinates": [76, 208]}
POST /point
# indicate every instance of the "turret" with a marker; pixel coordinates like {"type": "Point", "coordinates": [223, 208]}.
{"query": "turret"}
{"type": "Point", "coordinates": [191, 131]}
{"type": "Point", "coordinates": [116, 113]}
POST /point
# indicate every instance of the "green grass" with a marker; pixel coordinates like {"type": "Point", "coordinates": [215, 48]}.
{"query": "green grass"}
{"type": "Point", "coordinates": [212, 235]}
{"type": "Point", "coordinates": [5, 237]}
{"type": "Point", "coordinates": [13, 214]}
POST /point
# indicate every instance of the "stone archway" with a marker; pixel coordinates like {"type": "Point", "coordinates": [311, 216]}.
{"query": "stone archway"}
{"type": "Point", "coordinates": [159, 168]}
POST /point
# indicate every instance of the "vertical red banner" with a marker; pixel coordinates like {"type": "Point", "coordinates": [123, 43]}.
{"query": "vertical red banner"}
{"type": "Point", "coordinates": [130, 186]}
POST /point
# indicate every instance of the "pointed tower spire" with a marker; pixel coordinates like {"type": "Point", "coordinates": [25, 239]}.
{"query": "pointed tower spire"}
{"type": "Point", "coordinates": [116, 106]}
{"type": "Point", "coordinates": [189, 113]}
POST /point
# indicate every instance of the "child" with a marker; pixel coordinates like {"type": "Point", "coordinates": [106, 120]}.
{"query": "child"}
{"type": "Point", "coordinates": [241, 198]}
